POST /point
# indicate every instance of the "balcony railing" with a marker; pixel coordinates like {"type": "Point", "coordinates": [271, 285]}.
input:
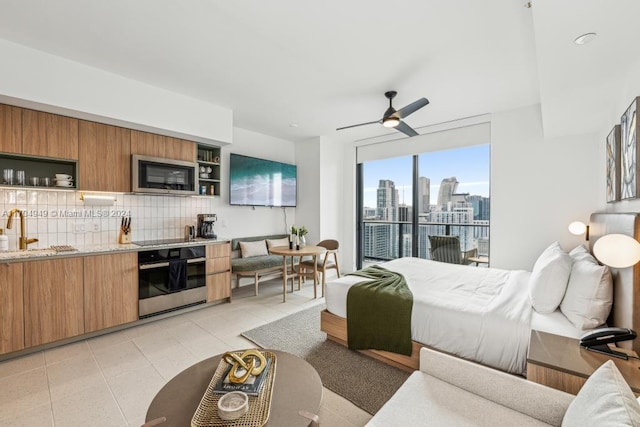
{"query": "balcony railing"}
{"type": "Point", "coordinates": [387, 240]}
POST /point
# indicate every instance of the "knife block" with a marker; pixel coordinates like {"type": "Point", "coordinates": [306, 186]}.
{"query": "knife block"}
{"type": "Point", "coordinates": [124, 237]}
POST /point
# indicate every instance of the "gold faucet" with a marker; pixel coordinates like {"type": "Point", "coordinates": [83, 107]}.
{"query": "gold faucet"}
{"type": "Point", "coordinates": [23, 241]}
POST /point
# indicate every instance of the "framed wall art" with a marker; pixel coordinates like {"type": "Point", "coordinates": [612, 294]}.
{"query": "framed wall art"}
{"type": "Point", "coordinates": [613, 165]}
{"type": "Point", "coordinates": [629, 152]}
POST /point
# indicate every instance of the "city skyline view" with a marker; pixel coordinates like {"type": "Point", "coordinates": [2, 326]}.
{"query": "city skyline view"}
{"type": "Point", "coordinates": [470, 165]}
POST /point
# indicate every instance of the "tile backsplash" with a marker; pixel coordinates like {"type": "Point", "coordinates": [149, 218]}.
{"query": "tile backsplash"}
{"type": "Point", "coordinates": [58, 217]}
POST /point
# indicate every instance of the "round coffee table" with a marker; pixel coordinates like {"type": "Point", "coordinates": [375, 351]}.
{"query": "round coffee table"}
{"type": "Point", "coordinates": [297, 386]}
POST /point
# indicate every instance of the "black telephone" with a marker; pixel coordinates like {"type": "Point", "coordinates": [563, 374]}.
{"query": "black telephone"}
{"type": "Point", "coordinates": [598, 339]}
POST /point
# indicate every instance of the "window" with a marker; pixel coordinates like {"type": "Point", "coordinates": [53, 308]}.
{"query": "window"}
{"type": "Point", "coordinates": [449, 190]}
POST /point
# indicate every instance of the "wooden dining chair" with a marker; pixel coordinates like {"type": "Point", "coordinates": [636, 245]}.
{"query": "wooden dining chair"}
{"type": "Point", "coordinates": [324, 261]}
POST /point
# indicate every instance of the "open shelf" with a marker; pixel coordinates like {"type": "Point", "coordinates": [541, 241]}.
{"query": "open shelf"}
{"type": "Point", "coordinates": [209, 163]}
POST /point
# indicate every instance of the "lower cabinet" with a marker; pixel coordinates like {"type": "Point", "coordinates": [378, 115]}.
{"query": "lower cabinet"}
{"type": "Point", "coordinates": [53, 300]}
{"type": "Point", "coordinates": [11, 309]}
{"type": "Point", "coordinates": [218, 272]}
{"type": "Point", "coordinates": [110, 290]}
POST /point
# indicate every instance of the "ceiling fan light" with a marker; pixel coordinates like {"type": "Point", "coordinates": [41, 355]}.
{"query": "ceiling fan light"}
{"type": "Point", "coordinates": [390, 122]}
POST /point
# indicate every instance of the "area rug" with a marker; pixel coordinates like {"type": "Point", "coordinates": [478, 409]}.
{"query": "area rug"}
{"type": "Point", "coordinates": [360, 379]}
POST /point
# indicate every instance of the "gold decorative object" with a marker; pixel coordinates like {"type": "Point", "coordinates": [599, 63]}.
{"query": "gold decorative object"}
{"type": "Point", "coordinates": [207, 414]}
{"type": "Point", "coordinates": [252, 361]}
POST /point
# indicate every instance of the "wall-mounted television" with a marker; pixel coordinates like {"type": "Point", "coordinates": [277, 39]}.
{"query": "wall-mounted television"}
{"type": "Point", "coordinates": [260, 182]}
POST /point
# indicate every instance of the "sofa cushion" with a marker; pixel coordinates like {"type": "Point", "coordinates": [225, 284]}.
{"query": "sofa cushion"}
{"type": "Point", "coordinates": [273, 243]}
{"type": "Point", "coordinates": [252, 249]}
{"type": "Point", "coordinates": [235, 243]}
{"type": "Point", "coordinates": [605, 399]}
{"type": "Point", "coordinates": [255, 263]}
{"type": "Point", "coordinates": [533, 399]}
{"type": "Point", "coordinates": [423, 397]}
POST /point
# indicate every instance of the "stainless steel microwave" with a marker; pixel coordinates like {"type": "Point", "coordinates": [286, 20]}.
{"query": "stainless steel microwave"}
{"type": "Point", "coordinates": [163, 176]}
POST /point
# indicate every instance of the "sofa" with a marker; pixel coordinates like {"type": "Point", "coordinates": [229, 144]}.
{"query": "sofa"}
{"type": "Point", "coordinates": [257, 264]}
{"type": "Point", "coordinates": [448, 391]}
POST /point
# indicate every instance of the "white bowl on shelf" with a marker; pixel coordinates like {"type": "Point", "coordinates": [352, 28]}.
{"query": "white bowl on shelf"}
{"type": "Point", "coordinates": [205, 175]}
{"type": "Point", "coordinates": [63, 177]}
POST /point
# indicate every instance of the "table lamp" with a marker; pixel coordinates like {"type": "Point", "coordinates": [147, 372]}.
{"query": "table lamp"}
{"type": "Point", "coordinates": [617, 250]}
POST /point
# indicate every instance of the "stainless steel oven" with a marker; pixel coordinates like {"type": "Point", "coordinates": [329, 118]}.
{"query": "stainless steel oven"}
{"type": "Point", "coordinates": [170, 279]}
{"type": "Point", "coordinates": [163, 176]}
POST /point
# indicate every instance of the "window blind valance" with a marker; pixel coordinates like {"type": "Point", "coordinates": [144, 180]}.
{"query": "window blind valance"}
{"type": "Point", "coordinates": [464, 136]}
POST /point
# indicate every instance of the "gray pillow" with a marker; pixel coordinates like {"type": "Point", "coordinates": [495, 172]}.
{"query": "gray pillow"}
{"type": "Point", "coordinates": [604, 400]}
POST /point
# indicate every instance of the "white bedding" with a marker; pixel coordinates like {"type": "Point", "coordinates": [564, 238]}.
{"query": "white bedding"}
{"type": "Point", "coordinates": [481, 314]}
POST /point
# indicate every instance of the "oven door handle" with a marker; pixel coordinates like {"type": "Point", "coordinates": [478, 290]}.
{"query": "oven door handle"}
{"type": "Point", "coordinates": [166, 264]}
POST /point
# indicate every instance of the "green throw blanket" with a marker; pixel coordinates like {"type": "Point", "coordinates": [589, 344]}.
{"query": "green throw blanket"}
{"type": "Point", "coordinates": [379, 312]}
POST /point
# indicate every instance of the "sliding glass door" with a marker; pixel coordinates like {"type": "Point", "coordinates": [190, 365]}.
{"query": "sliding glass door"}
{"type": "Point", "coordinates": [404, 200]}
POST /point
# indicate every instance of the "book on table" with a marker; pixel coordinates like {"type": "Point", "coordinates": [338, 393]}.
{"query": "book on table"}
{"type": "Point", "coordinates": [251, 386]}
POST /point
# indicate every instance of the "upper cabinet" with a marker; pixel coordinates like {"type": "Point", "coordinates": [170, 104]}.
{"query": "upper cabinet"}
{"type": "Point", "coordinates": [10, 129]}
{"type": "Point", "coordinates": [154, 145]}
{"type": "Point", "coordinates": [49, 135]}
{"type": "Point", "coordinates": [105, 157]}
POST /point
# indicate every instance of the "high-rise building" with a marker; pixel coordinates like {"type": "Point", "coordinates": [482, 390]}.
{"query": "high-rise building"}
{"type": "Point", "coordinates": [424, 195]}
{"type": "Point", "coordinates": [387, 201]}
{"type": "Point", "coordinates": [480, 207]}
{"type": "Point", "coordinates": [404, 213]}
{"type": "Point", "coordinates": [448, 188]}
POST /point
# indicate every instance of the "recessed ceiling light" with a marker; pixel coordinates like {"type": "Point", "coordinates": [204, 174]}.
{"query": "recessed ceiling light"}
{"type": "Point", "coordinates": [585, 38]}
{"type": "Point", "coordinates": [293, 125]}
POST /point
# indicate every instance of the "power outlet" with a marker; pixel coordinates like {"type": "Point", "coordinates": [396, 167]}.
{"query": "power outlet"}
{"type": "Point", "coordinates": [79, 227]}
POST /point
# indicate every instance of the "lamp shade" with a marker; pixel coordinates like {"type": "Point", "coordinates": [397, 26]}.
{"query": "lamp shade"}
{"type": "Point", "coordinates": [577, 228]}
{"type": "Point", "coordinates": [617, 250]}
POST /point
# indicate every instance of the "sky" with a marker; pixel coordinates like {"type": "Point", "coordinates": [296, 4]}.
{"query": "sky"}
{"type": "Point", "coordinates": [470, 165]}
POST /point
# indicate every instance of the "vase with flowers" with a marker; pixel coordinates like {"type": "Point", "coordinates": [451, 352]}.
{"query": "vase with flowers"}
{"type": "Point", "coordinates": [297, 234]}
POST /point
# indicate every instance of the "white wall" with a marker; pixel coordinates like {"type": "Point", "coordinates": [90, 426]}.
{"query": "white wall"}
{"type": "Point", "coordinates": [34, 79]}
{"type": "Point", "coordinates": [244, 221]}
{"type": "Point", "coordinates": [320, 185]}
{"type": "Point", "coordinates": [538, 186]}
{"type": "Point", "coordinates": [308, 212]}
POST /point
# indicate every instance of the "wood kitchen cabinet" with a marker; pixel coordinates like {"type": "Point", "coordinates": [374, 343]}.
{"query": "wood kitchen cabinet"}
{"type": "Point", "coordinates": [110, 290]}
{"type": "Point", "coordinates": [104, 157]}
{"type": "Point", "coordinates": [10, 129]}
{"type": "Point", "coordinates": [49, 135]}
{"type": "Point", "coordinates": [218, 269]}
{"type": "Point", "coordinates": [53, 300]}
{"type": "Point", "coordinates": [11, 309]}
{"type": "Point", "coordinates": [154, 145]}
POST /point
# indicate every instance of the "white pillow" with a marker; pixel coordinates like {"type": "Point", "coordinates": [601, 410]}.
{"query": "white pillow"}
{"type": "Point", "coordinates": [549, 278]}
{"type": "Point", "coordinates": [251, 249]}
{"type": "Point", "coordinates": [272, 243]}
{"type": "Point", "coordinates": [581, 252]}
{"type": "Point", "coordinates": [589, 295]}
{"type": "Point", "coordinates": [604, 400]}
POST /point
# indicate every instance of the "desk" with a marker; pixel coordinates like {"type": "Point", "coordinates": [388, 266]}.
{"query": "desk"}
{"type": "Point", "coordinates": [312, 251]}
{"type": "Point", "coordinates": [479, 259]}
{"type": "Point", "coordinates": [561, 363]}
{"type": "Point", "coordinates": [297, 386]}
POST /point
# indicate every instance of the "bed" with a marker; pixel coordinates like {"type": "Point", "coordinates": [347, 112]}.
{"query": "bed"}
{"type": "Point", "coordinates": [484, 314]}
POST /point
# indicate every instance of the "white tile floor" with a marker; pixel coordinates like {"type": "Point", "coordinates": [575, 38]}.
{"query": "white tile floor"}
{"type": "Point", "coordinates": [110, 380]}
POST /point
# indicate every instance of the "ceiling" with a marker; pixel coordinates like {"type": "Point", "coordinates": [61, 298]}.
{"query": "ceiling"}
{"type": "Point", "coordinates": [297, 70]}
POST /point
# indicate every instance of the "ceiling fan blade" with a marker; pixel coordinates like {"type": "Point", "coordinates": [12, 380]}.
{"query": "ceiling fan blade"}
{"type": "Point", "coordinates": [411, 108]}
{"type": "Point", "coordinates": [360, 124]}
{"type": "Point", "coordinates": [406, 129]}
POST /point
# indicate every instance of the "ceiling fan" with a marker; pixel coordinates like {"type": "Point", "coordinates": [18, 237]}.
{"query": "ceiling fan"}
{"type": "Point", "coordinates": [392, 118]}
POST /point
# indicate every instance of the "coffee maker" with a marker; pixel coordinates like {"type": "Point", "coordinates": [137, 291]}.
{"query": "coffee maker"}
{"type": "Point", "coordinates": [205, 226]}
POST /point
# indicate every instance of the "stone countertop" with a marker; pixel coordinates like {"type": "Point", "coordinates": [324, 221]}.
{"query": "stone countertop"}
{"type": "Point", "coordinates": [85, 250]}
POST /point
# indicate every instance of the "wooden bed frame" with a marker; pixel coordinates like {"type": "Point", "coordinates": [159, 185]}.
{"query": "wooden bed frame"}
{"type": "Point", "coordinates": [626, 301]}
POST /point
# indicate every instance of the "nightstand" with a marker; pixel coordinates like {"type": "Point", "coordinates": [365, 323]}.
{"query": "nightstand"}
{"type": "Point", "coordinates": [561, 363]}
